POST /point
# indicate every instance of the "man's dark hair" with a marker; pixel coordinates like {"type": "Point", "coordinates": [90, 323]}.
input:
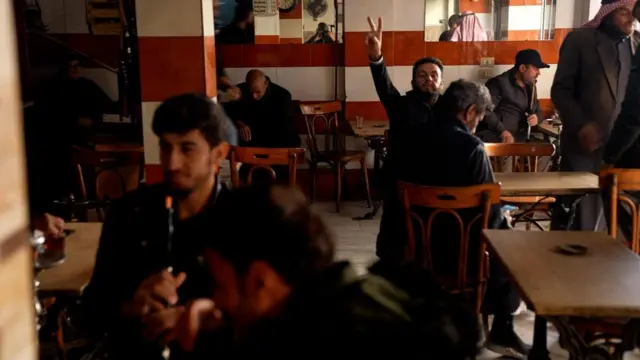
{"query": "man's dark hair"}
{"type": "Point", "coordinates": [455, 19]}
{"type": "Point", "coordinates": [427, 60]}
{"type": "Point", "coordinates": [183, 113]}
{"type": "Point", "coordinates": [272, 224]}
{"type": "Point", "coordinates": [463, 93]}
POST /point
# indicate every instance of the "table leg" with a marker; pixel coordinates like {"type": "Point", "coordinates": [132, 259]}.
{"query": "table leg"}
{"type": "Point", "coordinates": [377, 144]}
{"type": "Point", "coordinates": [539, 350]}
{"type": "Point", "coordinates": [573, 342]}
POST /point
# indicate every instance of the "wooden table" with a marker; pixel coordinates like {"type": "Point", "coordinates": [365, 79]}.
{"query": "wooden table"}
{"type": "Point", "coordinates": [547, 183]}
{"type": "Point", "coordinates": [373, 131]}
{"type": "Point", "coordinates": [601, 283]}
{"type": "Point", "coordinates": [122, 147]}
{"type": "Point", "coordinates": [71, 276]}
{"type": "Point", "coordinates": [370, 128]}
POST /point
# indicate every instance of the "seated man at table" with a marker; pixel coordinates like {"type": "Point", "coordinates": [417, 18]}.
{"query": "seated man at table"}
{"type": "Point", "coordinates": [450, 140]}
{"type": "Point", "coordinates": [131, 295]}
{"type": "Point", "coordinates": [517, 108]}
{"type": "Point", "coordinates": [283, 294]}
{"type": "Point", "coordinates": [264, 116]}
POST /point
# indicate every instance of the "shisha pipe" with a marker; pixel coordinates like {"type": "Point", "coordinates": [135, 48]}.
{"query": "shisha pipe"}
{"type": "Point", "coordinates": [168, 203]}
{"type": "Point", "coordinates": [531, 103]}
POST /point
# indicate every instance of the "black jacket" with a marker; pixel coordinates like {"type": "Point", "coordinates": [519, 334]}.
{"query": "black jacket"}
{"type": "Point", "coordinates": [445, 154]}
{"type": "Point", "coordinates": [133, 246]}
{"type": "Point", "coordinates": [271, 119]}
{"type": "Point", "coordinates": [404, 112]}
{"type": "Point", "coordinates": [511, 102]}
{"type": "Point", "coordinates": [623, 147]}
{"type": "Point", "coordinates": [392, 311]}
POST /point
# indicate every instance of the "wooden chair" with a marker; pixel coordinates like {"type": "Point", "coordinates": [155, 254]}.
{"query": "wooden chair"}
{"type": "Point", "coordinates": [264, 158]}
{"type": "Point", "coordinates": [451, 201]}
{"type": "Point", "coordinates": [110, 183]}
{"type": "Point", "coordinates": [525, 158]}
{"type": "Point", "coordinates": [613, 183]}
{"type": "Point", "coordinates": [333, 151]}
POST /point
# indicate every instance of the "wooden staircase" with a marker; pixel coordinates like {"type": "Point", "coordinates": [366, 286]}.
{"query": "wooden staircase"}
{"type": "Point", "coordinates": [105, 17]}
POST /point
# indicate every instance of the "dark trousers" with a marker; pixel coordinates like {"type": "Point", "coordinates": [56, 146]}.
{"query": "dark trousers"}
{"type": "Point", "coordinates": [588, 208]}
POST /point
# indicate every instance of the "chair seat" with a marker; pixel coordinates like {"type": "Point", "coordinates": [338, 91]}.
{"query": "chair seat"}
{"type": "Point", "coordinates": [528, 199]}
{"type": "Point", "coordinates": [341, 156]}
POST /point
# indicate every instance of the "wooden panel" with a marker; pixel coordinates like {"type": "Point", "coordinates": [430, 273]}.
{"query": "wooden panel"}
{"type": "Point", "coordinates": [17, 324]}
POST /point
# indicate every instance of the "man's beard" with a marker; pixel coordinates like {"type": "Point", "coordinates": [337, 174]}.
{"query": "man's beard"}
{"type": "Point", "coordinates": [428, 96]}
{"type": "Point", "coordinates": [182, 193]}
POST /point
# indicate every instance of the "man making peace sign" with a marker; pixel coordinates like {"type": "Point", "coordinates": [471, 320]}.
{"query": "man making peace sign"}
{"type": "Point", "coordinates": [420, 132]}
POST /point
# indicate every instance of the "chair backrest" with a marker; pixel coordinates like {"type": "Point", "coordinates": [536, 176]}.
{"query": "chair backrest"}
{"type": "Point", "coordinates": [323, 118]}
{"type": "Point", "coordinates": [264, 158]}
{"type": "Point", "coordinates": [449, 201]}
{"type": "Point", "coordinates": [615, 182]}
{"type": "Point", "coordinates": [110, 182]}
{"type": "Point", "coordinates": [524, 156]}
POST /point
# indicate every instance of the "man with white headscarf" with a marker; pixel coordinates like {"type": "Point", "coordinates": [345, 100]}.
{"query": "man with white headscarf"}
{"type": "Point", "coordinates": [588, 90]}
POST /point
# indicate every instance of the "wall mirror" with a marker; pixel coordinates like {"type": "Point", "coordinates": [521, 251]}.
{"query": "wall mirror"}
{"type": "Point", "coordinates": [487, 20]}
{"type": "Point", "coordinates": [280, 22]}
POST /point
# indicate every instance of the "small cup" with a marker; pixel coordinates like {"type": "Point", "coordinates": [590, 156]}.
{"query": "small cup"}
{"type": "Point", "coordinates": [359, 122]}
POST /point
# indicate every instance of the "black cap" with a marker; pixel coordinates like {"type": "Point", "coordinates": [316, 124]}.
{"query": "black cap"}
{"type": "Point", "coordinates": [530, 57]}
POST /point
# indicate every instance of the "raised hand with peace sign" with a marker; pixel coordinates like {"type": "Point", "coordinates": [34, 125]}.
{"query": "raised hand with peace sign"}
{"type": "Point", "coordinates": [374, 39]}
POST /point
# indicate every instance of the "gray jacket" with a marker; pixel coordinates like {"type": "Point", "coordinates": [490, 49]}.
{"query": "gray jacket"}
{"type": "Point", "coordinates": [585, 85]}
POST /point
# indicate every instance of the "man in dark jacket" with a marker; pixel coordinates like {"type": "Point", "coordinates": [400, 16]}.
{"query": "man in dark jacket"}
{"type": "Point", "coordinates": [132, 297]}
{"type": "Point", "coordinates": [454, 22]}
{"type": "Point", "coordinates": [404, 112]}
{"type": "Point", "coordinates": [264, 113]}
{"type": "Point", "coordinates": [623, 148]}
{"type": "Point", "coordinates": [517, 108]}
{"type": "Point", "coordinates": [588, 90]}
{"type": "Point", "coordinates": [241, 30]}
{"type": "Point", "coordinates": [285, 296]}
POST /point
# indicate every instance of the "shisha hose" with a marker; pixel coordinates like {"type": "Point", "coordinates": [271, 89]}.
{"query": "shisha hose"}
{"type": "Point", "coordinates": [168, 203]}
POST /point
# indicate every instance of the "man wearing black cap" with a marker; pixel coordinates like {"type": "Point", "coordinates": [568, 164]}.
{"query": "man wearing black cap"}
{"type": "Point", "coordinates": [514, 97]}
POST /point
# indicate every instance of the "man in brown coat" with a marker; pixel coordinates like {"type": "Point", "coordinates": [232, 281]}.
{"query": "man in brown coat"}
{"type": "Point", "coordinates": [588, 89]}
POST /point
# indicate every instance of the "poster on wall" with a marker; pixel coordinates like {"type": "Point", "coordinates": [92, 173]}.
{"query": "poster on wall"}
{"type": "Point", "coordinates": [265, 7]}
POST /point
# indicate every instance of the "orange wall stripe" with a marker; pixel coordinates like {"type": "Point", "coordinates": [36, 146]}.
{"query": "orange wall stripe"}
{"type": "Point", "coordinates": [281, 55]}
{"type": "Point", "coordinates": [481, 6]}
{"type": "Point", "coordinates": [175, 65]}
{"type": "Point", "coordinates": [267, 39]}
{"type": "Point", "coordinates": [291, 40]}
{"type": "Point", "coordinates": [402, 48]}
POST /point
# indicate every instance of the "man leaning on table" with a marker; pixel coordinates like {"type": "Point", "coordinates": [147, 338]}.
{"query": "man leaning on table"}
{"type": "Point", "coordinates": [132, 298]}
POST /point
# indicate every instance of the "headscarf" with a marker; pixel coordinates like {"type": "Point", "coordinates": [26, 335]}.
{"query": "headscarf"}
{"type": "Point", "coordinates": [608, 6]}
{"type": "Point", "coordinates": [470, 29]}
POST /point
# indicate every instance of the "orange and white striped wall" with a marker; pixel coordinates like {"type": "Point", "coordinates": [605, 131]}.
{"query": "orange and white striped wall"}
{"type": "Point", "coordinates": [403, 44]}
{"type": "Point", "coordinates": [177, 55]}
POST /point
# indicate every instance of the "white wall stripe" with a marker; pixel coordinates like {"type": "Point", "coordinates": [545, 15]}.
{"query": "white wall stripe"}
{"type": "Point", "coordinates": [304, 83]}
{"type": "Point", "coordinates": [359, 85]}
{"type": "Point", "coordinates": [170, 18]}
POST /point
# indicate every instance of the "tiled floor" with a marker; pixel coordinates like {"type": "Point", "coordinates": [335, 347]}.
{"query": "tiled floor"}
{"type": "Point", "coordinates": [356, 243]}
